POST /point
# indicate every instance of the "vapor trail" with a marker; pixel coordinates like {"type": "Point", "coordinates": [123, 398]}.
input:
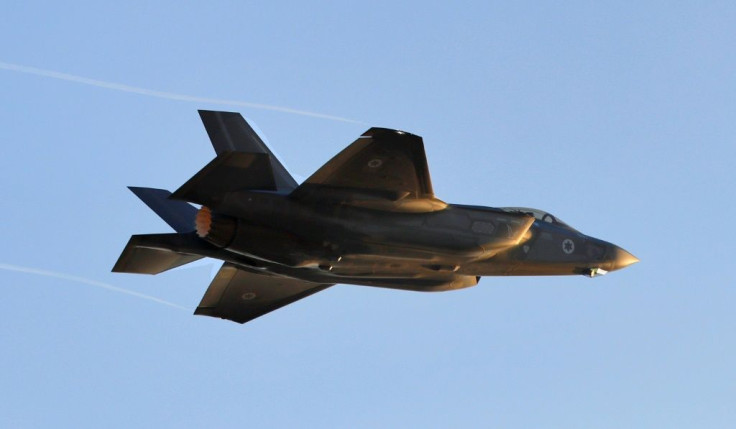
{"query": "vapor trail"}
{"type": "Point", "coordinates": [167, 95]}
{"type": "Point", "coordinates": [90, 282]}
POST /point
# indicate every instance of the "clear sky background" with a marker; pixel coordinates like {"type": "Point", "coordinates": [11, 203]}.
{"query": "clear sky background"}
{"type": "Point", "coordinates": [618, 117]}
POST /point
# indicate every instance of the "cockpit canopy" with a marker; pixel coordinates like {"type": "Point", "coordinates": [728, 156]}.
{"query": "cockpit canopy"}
{"type": "Point", "coordinates": [538, 215]}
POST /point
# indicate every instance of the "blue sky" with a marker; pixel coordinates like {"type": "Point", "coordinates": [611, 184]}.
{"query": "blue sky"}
{"type": "Point", "coordinates": [618, 117]}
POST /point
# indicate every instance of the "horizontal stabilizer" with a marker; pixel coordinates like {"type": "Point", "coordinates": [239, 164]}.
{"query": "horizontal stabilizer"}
{"type": "Point", "coordinates": [229, 132]}
{"type": "Point", "coordinates": [156, 253]}
{"type": "Point", "coordinates": [178, 214]}
{"type": "Point", "coordinates": [228, 172]}
{"type": "Point", "coordinates": [241, 296]}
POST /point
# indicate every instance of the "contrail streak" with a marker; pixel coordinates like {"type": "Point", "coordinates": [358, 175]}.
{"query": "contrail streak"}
{"type": "Point", "coordinates": [167, 95]}
{"type": "Point", "coordinates": [90, 282]}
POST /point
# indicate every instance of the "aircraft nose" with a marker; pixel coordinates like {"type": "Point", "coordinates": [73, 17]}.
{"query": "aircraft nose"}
{"type": "Point", "coordinates": [621, 258]}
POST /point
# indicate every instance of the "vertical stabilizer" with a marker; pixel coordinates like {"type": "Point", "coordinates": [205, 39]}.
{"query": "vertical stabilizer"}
{"type": "Point", "coordinates": [229, 132]}
{"type": "Point", "coordinates": [178, 214]}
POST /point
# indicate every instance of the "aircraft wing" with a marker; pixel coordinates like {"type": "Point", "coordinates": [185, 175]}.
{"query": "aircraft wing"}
{"type": "Point", "coordinates": [383, 169]}
{"type": "Point", "coordinates": [241, 296]}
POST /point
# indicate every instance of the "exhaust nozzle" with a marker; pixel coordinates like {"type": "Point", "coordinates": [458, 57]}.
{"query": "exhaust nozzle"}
{"type": "Point", "coordinates": [216, 229]}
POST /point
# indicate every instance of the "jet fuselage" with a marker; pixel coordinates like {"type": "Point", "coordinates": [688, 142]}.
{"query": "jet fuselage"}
{"type": "Point", "coordinates": [439, 250]}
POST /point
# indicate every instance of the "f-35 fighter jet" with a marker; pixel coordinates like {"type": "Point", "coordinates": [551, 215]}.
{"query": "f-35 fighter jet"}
{"type": "Point", "coordinates": [367, 217]}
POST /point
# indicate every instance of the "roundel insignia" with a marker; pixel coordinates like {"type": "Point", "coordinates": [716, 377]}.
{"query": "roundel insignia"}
{"type": "Point", "coordinates": [375, 163]}
{"type": "Point", "coordinates": [568, 246]}
{"type": "Point", "coordinates": [248, 296]}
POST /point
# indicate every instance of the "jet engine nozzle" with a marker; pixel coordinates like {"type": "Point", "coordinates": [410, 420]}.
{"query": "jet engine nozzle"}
{"type": "Point", "coordinates": [216, 229]}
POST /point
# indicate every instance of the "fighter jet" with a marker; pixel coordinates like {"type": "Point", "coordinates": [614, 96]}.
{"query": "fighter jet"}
{"type": "Point", "coordinates": [367, 217]}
